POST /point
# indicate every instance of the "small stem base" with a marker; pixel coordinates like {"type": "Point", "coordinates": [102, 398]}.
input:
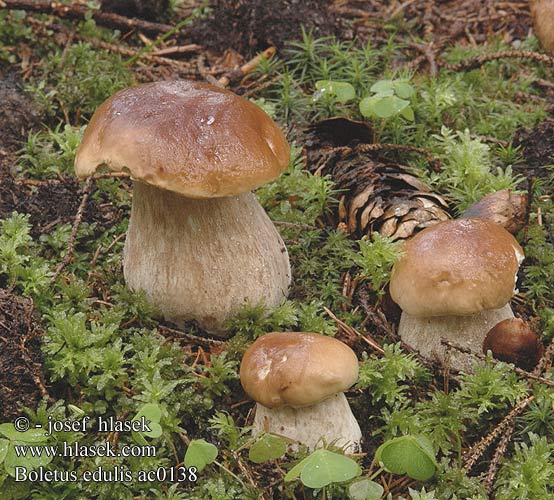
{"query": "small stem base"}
{"type": "Point", "coordinates": [424, 334]}
{"type": "Point", "coordinates": [330, 421]}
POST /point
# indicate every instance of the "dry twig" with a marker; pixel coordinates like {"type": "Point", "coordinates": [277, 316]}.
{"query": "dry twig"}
{"type": "Point", "coordinates": [189, 336]}
{"type": "Point", "coordinates": [482, 445]}
{"type": "Point", "coordinates": [76, 223]}
{"type": "Point", "coordinates": [80, 11]}
{"type": "Point", "coordinates": [351, 330]}
{"type": "Point", "coordinates": [478, 61]}
{"type": "Point", "coordinates": [248, 67]}
{"type": "Point", "coordinates": [519, 371]}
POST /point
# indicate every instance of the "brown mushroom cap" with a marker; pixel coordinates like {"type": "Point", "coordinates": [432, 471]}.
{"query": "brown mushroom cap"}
{"type": "Point", "coordinates": [193, 138]}
{"type": "Point", "coordinates": [297, 369]}
{"type": "Point", "coordinates": [456, 268]}
{"type": "Point", "coordinates": [513, 341]}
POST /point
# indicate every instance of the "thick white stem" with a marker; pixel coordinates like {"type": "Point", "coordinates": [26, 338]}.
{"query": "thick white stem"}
{"type": "Point", "coordinates": [424, 334]}
{"type": "Point", "coordinates": [203, 259]}
{"type": "Point", "coordinates": [329, 421]}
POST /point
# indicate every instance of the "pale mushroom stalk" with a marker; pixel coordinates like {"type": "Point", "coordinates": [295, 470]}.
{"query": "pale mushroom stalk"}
{"type": "Point", "coordinates": [330, 421]}
{"type": "Point", "coordinates": [203, 259]}
{"type": "Point", "coordinates": [425, 334]}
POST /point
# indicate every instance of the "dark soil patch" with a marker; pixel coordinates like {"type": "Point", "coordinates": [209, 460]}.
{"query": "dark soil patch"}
{"type": "Point", "coordinates": [251, 26]}
{"type": "Point", "coordinates": [18, 113]}
{"type": "Point", "coordinates": [537, 147]}
{"type": "Point", "coordinates": [145, 9]}
{"type": "Point", "coordinates": [48, 203]}
{"type": "Point", "coordinates": [21, 377]}
{"type": "Point", "coordinates": [443, 21]}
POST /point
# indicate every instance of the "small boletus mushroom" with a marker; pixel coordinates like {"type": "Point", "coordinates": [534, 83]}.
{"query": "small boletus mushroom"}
{"type": "Point", "coordinates": [298, 381]}
{"type": "Point", "coordinates": [513, 341]}
{"type": "Point", "coordinates": [455, 280]}
{"type": "Point", "coordinates": [199, 244]}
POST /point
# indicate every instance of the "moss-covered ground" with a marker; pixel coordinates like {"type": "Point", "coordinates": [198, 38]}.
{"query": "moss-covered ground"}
{"type": "Point", "coordinates": [79, 343]}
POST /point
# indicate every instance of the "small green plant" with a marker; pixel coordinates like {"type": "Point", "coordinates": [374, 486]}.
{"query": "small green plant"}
{"type": "Point", "coordinates": [18, 260]}
{"type": "Point", "coordinates": [421, 495]}
{"type": "Point", "coordinates": [13, 31]}
{"type": "Point", "coordinates": [11, 458]}
{"type": "Point", "coordinates": [297, 196]}
{"type": "Point", "coordinates": [365, 489]}
{"type": "Point", "coordinates": [216, 377]}
{"type": "Point", "coordinates": [390, 98]}
{"type": "Point", "coordinates": [341, 91]}
{"type": "Point", "coordinates": [224, 425]}
{"type": "Point", "coordinates": [199, 454]}
{"type": "Point", "coordinates": [151, 415]}
{"type": "Point", "coordinates": [411, 455]}
{"type": "Point", "coordinates": [539, 415]}
{"type": "Point", "coordinates": [387, 377]}
{"type": "Point", "coordinates": [539, 271]}
{"type": "Point", "coordinates": [322, 468]}
{"type": "Point", "coordinates": [469, 170]}
{"type": "Point", "coordinates": [529, 473]}
{"type": "Point", "coordinates": [50, 153]}
{"type": "Point", "coordinates": [78, 80]}
{"type": "Point", "coordinates": [77, 350]}
{"type": "Point", "coordinates": [375, 259]}
{"type": "Point", "coordinates": [268, 447]}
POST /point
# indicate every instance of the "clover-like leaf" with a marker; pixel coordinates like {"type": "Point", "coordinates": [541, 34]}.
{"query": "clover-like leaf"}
{"type": "Point", "coordinates": [343, 91]}
{"type": "Point", "coordinates": [152, 413]}
{"type": "Point", "coordinates": [30, 462]}
{"type": "Point", "coordinates": [29, 436]}
{"type": "Point", "coordinates": [322, 468]}
{"type": "Point", "coordinates": [367, 105]}
{"type": "Point", "coordinates": [383, 87]}
{"type": "Point", "coordinates": [365, 489]}
{"type": "Point", "coordinates": [408, 113]}
{"type": "Point", "coordinates": [412, 455]}
{"type": "Point", "coordinates": [268, 447]}
{"type": "Point", "coordinates": [389, 106]}
{"type": "Point", "coordinates": [199, 454]}
{"type": "Point", "coordinates": [4, 445]}
{"type": "Point", "coordinates": [403, 90]}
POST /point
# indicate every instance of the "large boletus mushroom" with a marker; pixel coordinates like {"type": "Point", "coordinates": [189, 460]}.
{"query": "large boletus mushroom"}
{"type": "Point", "coordinates": [455, 280]}
{"type": "Point", "coordinates": [298, 381]}
{"type": "Point", "coordinates": [199, 243]}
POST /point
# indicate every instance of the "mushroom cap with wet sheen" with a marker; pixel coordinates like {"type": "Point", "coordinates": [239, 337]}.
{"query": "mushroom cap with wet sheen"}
{"type": "Point", "coordinates": [297, 369]}
{"type": "Point", "coordinates": [457, 267]}
{"type": "Point", "coordinates": [189, 137]}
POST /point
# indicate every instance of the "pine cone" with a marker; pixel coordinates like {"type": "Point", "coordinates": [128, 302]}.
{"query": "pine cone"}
{"type": "Point", "coordinates": [390, 200]}
{"type": "Point", "coordinates": [375, 195]}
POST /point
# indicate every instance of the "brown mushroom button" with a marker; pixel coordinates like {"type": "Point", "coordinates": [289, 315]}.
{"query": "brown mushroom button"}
{"type": "Point", "coordinates": [297, 369]}
{"type": "Point", "coordinates": [513, 341]}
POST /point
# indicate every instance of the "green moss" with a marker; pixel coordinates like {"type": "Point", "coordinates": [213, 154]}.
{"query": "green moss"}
{"type": "Point", "coordinates": [72, 83]}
